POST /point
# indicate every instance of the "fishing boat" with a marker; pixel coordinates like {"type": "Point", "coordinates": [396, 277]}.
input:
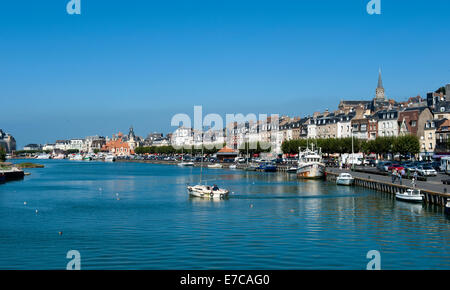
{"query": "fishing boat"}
{"type": "Point", "coordinates": [345, 179]}
{"type": "Point", "coordinates": [410, 195]}
{"type": "Point", "coordinates": [310, 165]}
{"type": "Point", "coordinates": [217, 165]}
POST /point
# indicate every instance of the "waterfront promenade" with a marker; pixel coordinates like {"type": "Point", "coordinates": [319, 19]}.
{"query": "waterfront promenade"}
{"type": "Point", "coordinates": [434, 190]}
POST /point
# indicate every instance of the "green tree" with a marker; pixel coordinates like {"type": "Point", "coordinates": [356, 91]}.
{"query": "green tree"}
{"type": "Point", "coordinates": [407, 144]}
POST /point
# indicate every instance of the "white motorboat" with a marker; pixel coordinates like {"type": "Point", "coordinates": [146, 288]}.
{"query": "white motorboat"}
{"type": "Point", "coordinates": [233, 166]}
{"type": "Point", "coordinates": [110, 158]}
{"type": "Point", "coordinates": [310, 164]}
{"type": "Point", "coordinates": [206, 191]}
{"type": "Point", "coordinates": [345, 179]}
{"type": "Point", "coordinates": [186, 164]}
{"type": "Point", "coordinates": [43, 156]}
{"type": "Point", "coordinates": [447, 208]}
{"type": "Point", "coordinates": [292, 169]}
{"type": "Point", "coordinates": [411, 195]}
{"type": "Point", "coordinates": [59, 156]}
{"type": "Point", "coordinates": [217, 165]}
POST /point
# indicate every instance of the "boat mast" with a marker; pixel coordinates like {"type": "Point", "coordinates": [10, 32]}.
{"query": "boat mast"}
{"type": "Point", "coordinates": [201, 163]}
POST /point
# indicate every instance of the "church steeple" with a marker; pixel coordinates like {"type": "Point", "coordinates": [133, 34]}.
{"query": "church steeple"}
{"type": "Point", "coordinates": [380, 82]}
{"type": "Point", "coordinates": [379, 92]}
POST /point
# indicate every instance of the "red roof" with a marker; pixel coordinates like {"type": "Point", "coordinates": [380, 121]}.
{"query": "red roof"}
{"type": "Point", "coordinates": [226, 150]}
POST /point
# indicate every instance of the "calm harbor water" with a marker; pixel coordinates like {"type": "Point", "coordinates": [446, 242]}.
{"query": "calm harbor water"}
{"type": "Point", "coordinates": [139, 216]}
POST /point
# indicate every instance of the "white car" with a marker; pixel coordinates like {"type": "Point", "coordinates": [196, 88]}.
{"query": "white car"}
{"type": "Point", "coordinates": [426, 170]}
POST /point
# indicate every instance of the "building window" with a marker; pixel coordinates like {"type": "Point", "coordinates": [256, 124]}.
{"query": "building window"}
{"type": "Point", "coordinates": [413, 123]}
{"type": "Point", "coordinates": [430, 146]}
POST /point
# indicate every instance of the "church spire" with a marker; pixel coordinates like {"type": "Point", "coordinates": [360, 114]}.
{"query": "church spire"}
{"type": "Point", "coordinates": [380, 82]}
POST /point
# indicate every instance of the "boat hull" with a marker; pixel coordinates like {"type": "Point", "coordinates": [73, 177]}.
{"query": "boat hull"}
{"type": "Point", "coordinates": [346, 182]}
{"type": "Point", "coordinates": [447, 210]}
{"type": "Point", "coordinates": [203, 192]}
{"type": "Point", "coordinates": [312, 171]}
{"type": "Point", "coordinates": [408, 198]}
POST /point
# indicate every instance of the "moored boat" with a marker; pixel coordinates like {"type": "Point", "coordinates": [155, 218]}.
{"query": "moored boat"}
{"type": "Point", "coordinates": [447, 208]}
{"type": "Point", "coordinates": [217, 165]}
{"type": "Point", "coordinates": [345, 179]}
{"type": "Point", "coordinates": [186, 164]}
{"type": "Point", "coordinates": [110, 158]}
{"type": "Point", "coordinates": [310, 165]}
{"type": "Point", "coordinates": [267, 167]}
{"type": "Point", "coordinates": [410, 195]}
{"type": "Point", "coordinates": [292, 169]}
{"type": "Point", "coordinates": [43, 156]}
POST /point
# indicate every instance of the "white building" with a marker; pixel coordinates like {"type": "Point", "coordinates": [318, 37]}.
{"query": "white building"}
{"type": "Point", "coordinates": [388, 123]}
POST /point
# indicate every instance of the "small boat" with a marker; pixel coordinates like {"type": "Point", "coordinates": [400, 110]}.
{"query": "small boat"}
{"type": "Point", "coordinates": [233, 166]}
{"type": "Point", "coordinates": [77, 157]}
{"type": "Point", "coordinates": [110, 158]}
{"type": "Point", "coordinates": [345, 179]}
{"type": "Point", "coordinates": [43, 156]}
{"type": "Point", "coordinates": [59, 156]}
{"type": "Point", "coordinates": [186, 164]}
{"type": "Point", "coordinates": [217, 165]}
{"type": "Point", "coordinates": [447, 208]}
{"type": "Point", "coordinates": [411, 195]}
{"type": "Point", "coordinates": [267, 167]}
{"type": "Point", "coordinates": [292, 170]}
{"type": "Point", "coordinates": [206, 191]}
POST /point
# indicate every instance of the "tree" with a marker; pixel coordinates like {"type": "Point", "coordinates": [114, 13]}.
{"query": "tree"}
{"type": "Point", "coordinates": [2, 154]}
{"type": "Point", "coordinates": [408, 144]}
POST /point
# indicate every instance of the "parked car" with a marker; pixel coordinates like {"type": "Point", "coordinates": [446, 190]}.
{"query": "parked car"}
{"type": "Point", "coordinates": [397, 167]}
{"type": "Point", "coordinates": [384, 166]}
{"type": "Point", "coordinates": [426, 170]}
{"type": "Point", "coordinates": [411, 168]}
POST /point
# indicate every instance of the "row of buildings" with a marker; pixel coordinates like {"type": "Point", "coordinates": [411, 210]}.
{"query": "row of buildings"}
{"type": "Point", "coordinates": [427, 118]}
{"type": "Point", "coordinates": [118, 144]}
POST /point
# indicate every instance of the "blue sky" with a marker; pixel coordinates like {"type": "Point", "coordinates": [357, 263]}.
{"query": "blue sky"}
{"type": "Point", "coordinates": [138, 63]}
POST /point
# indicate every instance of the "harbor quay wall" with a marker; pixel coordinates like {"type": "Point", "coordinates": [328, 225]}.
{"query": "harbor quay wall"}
{"type": "Point", "coordinates": [430, 196]}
